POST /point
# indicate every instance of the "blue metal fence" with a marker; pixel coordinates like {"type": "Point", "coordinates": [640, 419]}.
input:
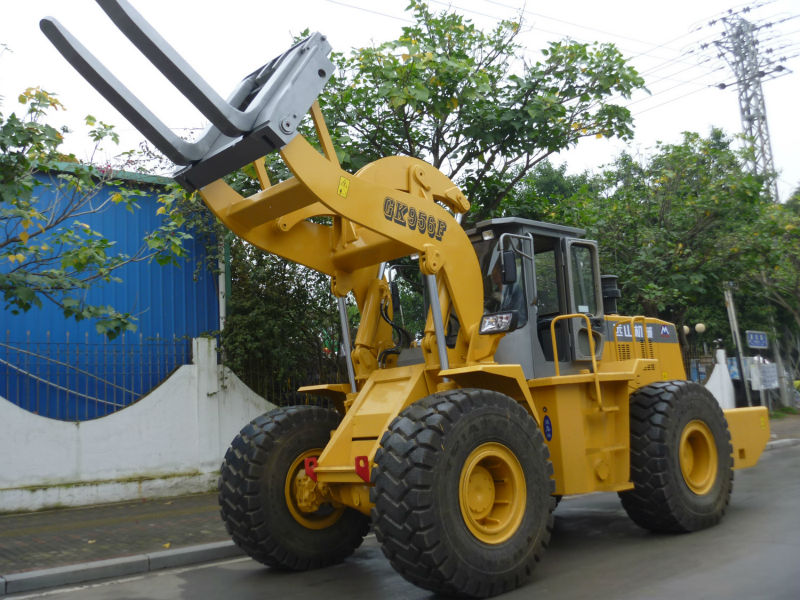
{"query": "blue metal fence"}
{"type": "Point", "coordinates": [76, 380]}
{"type": "Point", "coordinates": [65, 369]}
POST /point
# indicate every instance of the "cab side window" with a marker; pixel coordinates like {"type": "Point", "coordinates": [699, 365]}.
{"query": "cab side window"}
{"type": "Point", "coordinates": [583, 280]}
{"type": "Point", "coordinates": [547, 282]}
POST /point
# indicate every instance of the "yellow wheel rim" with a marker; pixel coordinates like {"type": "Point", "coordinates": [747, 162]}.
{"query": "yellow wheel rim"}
{"type": "Point", "coordinates": [323, 517]}
{"type": "Point", "coordinates": [492, 493]}
{"type": "Point", "coordinates": [698, 457]}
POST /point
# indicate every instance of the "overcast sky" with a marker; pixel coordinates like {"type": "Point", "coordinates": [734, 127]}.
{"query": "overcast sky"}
{"type": "Point", "coordinates": [224, 41]}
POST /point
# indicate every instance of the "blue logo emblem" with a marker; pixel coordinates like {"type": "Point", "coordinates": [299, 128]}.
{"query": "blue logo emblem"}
{"type": "Point", "coordinates": [548, 428]}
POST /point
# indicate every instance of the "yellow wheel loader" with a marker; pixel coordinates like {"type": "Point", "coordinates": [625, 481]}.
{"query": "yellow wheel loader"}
{"type": "Point", "coordinates": [525, 384]}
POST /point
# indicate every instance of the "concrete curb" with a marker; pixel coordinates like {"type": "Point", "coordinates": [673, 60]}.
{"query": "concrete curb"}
{"type": "Point", "coordinates": [116, 567]}
{"type": "Point", "coordinates": [775, 444]}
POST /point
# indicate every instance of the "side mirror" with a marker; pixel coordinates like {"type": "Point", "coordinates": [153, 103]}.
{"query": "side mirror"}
{"type": "Point", "coordinates": [509, 267]}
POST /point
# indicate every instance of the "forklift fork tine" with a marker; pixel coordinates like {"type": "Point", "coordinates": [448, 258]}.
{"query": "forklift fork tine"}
{"type": "Point", "coordinates": [259, 117]}
{"type": "Point", "coordinates": [112, 89]}
{"type": "Point", "coordinates": [226, 118]}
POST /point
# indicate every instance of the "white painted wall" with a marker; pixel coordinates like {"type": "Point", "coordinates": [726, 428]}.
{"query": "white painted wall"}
{"type": "Point", "coordinates": [170, 442]}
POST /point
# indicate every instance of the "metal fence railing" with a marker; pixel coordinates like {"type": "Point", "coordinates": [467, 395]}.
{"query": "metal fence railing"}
{"type": "Point", "coordinates": [282, 390]}
{"type": "Point", "coordinates": [78, 380]}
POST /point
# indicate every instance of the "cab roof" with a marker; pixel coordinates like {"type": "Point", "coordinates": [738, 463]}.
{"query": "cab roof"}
{"type": "Point", "coordinates": [528, 225]}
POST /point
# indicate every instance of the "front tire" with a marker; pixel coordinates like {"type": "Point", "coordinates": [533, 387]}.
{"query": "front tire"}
{"type": "Point", "coordinates": [681, 458]}
{"type": "Point", "coordinates": [462, 493]}
{"type": "Point", "coordinates": [256, 488]}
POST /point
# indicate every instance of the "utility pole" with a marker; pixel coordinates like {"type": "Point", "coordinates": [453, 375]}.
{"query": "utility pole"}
{"type": "Point", "coordinates": [739, 46]}
{"type": "Point", "coordinates": [737, 338]}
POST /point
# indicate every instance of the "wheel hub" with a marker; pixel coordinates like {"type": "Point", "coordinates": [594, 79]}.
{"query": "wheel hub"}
{"type": "Point", "coordinates": [480, 492]}
{"type": "Point", "coordinates": [698, 457]}
{"type": "Point", "coordinates": [492, 493]}
{"type": "Point", "coordinates": [306, 494]}
{"type": "Point", "coordinates": [305, 499]}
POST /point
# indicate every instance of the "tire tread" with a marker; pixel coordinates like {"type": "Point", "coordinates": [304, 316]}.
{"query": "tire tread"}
{"type": "Point", "coordinates": [404, 518]}
{"type": "Point", "coordinates": [654, 503]}
{"type": "Point", "coordinates": [239, 486]}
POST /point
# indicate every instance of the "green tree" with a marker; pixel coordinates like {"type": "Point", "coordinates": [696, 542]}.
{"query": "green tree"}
{"type": "Point", "coordinates": [793, 203]}
{"type": "Point", "coordinates": [676, 222]}
{"type": "Point", "coordinates": [671, 227]}
{"type": "Point", "coordinates": [282, 329]}
{"type": "Point", "coordinates": [548, 192]}
{"type": "Point", "coordinates": [448, 93]}
{"type": "Point", "coordinates": [282, 325]}
{"type": "Point", "coordinates": [772, 256]}
{"type": "Point", "coordinates": [46, 251]}
{"type": "Point", "coordinates": [456, 96]}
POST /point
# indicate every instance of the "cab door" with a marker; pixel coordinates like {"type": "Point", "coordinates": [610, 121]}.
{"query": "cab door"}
{"type": "Point", "coordinates": [582, 282]}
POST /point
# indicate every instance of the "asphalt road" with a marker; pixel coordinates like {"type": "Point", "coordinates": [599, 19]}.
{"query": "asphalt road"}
{"type": "Point", "coordinates": [596, 553]}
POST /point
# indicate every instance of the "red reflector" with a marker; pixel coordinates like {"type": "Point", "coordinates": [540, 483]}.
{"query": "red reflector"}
{"type": "Point", "coordinates": [362, 467]}
{"type": "Point", "coordinates": [311, 465]}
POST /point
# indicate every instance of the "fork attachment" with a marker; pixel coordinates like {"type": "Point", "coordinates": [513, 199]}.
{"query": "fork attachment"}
{"type": "Point", "coordinates": [260, 116]}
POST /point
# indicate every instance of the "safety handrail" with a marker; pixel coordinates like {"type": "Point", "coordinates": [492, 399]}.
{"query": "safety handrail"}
{"type": "Point", "coordinates": [591, 349]}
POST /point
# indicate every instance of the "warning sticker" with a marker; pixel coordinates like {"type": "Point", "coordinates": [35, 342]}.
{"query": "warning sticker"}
{"type": "Point", "coordinates": [344, 186]}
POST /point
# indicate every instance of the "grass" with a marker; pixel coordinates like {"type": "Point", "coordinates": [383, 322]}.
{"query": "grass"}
{"type": "Point", "coordinates": [782, 411]}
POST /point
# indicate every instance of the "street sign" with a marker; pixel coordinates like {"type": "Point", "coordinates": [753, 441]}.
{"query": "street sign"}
{"type": "Point", "coordinates": [757, 340]}
{"type": "Point", "coordinates": [769, 376]}
{"type": "Point", "coordinates": [733, 367]}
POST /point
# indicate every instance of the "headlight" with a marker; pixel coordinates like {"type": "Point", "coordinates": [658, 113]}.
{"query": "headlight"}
{"type": "Point", "coordinates": [498, 322]}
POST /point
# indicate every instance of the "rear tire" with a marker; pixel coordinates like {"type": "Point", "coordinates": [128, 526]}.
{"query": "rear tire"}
{"type": "Point", "coordinates": [255, 493]}
{"type": "Point", "coordinates": [462, 493]}
{"type": "Point", "coordinates": [681, 458]}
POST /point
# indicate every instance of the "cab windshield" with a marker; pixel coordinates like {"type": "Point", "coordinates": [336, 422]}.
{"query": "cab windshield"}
{"type": "Point", "coordinates": [499, 297]}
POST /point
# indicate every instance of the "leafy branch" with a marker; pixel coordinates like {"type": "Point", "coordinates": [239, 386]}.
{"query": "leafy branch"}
{"type": "Point", "coordinates": [47, 250]}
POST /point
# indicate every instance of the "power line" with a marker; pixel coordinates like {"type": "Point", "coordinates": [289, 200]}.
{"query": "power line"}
{"type": "Point", "coordinates": [588, 28]}
{"type": "Point", "coordinates": [649, 108]}
{"type": "Point", "coordinates": [462, 9]}
{"type": "Point", "coordinates": [672, 75]}
{"type": "Point", "coordinates": [683, 57]}
{"type": "Point", "coordinates": [522, 11]}
{"type": "Point", "coordinates": [369, 10]}
{"type": "Point", "coordinates": [681, 84]}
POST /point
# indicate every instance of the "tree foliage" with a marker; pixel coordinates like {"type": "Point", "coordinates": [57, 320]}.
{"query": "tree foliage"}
{"type": "Point", "coordinates": [459, 98]}
{"type": "Point", "coordinates": [47, 251]}
{"type": "Point", "coordinates": [677, 225]}
{"type": "Point", "coordinates": [673, 226]}
{"type": "Point", "coordinates": [549, 192]}
{"type": "Point", "coordinates": [677, 222]}
{"type": "Point", "coordinates": [772, 258]}
{"type": "Point", "coordinates": [282, 323]}
{"type": "Point", "coordinates": [449, 93]}
{"type": "Point", "coordinates": [282, 328]}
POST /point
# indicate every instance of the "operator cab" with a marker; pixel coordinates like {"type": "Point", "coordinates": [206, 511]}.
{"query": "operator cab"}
{"type": "Point", "coordinates": [538, 271]}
